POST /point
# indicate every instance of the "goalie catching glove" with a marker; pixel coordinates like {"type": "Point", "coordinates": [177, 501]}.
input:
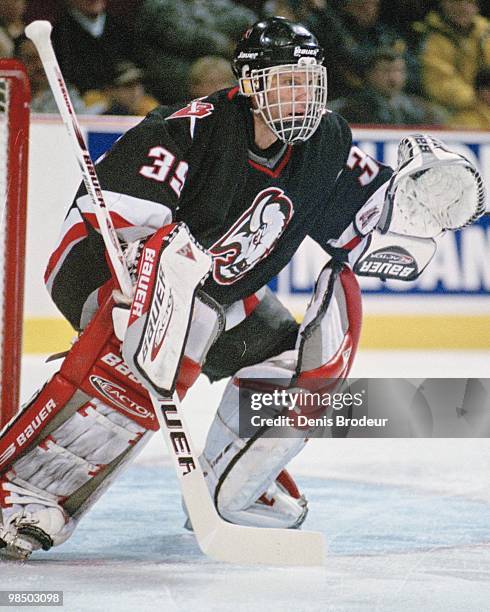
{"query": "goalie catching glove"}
{"type": "Point", "coordinates": [433, 190]}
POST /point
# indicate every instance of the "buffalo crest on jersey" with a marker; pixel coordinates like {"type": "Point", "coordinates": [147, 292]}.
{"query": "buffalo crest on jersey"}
{"type": "Point", "coordinates": [252, 237]}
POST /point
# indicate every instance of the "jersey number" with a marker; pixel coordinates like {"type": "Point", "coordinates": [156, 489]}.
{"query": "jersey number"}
{"type": "Point", "coordinates": [161, 169]}
{"type": "Point", "coordinates": [368, 166]}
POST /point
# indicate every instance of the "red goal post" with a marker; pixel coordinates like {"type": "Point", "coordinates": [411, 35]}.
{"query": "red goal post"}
{"type": "Point", "coordinates": [14, 146]}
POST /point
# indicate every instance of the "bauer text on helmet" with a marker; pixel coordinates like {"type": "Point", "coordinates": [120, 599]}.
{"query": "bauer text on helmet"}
{"type": "Point", "coordinates": [279, 65]}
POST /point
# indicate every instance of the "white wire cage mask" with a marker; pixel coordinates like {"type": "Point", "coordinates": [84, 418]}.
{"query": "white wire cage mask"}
{"type": "Point", "coordinates": [290, 98]}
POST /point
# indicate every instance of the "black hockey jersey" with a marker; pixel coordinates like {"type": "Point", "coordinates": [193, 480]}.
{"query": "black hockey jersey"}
{"type": "Point", "coordinates": [250, 208]}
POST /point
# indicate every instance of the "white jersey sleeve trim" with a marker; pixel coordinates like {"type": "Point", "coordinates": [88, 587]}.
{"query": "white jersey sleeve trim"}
{"type": "Point", "coordinates": [133, 218]}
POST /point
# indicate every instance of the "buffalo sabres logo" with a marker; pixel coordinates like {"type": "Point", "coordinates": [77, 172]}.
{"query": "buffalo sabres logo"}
{"type": "Point", "coordinates": [252, 237]}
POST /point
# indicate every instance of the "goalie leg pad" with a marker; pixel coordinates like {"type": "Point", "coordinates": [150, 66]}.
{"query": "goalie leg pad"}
{"type": "Point", "coordinates": [69, 441]}
{"type": "Point", "coordinates": [70, 461]}
{"type": "Point", "coordinates": [242, 473]}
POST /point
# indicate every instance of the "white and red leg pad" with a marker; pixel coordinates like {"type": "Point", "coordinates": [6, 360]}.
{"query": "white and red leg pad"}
{"type": "Point", "coordinates": [39, 489]}
{"type": "Point", "coordinates": [68, 443]}
{"type": "Point", "coordinates": [85, 420]}
{"type": "Point", "coordinates": [243, 473]}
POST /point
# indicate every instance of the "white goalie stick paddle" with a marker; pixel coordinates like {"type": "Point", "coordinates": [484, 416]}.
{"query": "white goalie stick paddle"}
{"type": "Point", "coordinates": [220, 540]}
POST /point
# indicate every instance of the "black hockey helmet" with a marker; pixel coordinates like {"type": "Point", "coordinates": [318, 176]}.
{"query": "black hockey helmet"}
{"type": "Point", "coordinates": [273, 42]}
{"type": "Point", "coordinates": [278, 65]}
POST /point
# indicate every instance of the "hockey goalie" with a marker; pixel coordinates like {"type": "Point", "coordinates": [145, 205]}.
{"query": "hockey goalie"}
{"type": "Point", "coordinates": [242, 176]}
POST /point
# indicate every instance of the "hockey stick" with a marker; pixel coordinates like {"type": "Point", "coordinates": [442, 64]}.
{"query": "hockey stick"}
{"type": "Point", "coordinates": [217, 538]}
{"type": "Point", "coordinates": [40, 34]}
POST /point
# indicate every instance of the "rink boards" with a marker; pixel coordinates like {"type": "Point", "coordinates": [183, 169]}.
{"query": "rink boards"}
{"type": "Point", "coordinates": [448, 307]}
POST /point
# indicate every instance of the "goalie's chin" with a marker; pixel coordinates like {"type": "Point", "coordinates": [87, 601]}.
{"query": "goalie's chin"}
{"type": "Point", "coordinates": [293, 130]}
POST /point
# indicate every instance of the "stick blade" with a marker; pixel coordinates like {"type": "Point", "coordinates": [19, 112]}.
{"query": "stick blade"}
{"type": "Point", "coordinates": [223, 541]}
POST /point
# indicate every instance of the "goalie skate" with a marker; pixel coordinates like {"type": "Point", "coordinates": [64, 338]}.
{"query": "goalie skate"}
{"type": "Point", "coordinates": [29, 521]}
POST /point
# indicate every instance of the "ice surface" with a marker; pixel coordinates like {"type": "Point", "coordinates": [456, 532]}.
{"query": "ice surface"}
{"type": "Point", "coordinates": [407, 523]}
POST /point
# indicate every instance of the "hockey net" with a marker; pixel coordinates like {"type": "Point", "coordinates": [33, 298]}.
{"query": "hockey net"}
{"type": "Point", "coordinates": [14, 140]}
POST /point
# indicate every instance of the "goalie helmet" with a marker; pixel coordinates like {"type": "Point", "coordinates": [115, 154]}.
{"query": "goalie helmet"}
{"type": "Point", "coordinates": [279, 64]}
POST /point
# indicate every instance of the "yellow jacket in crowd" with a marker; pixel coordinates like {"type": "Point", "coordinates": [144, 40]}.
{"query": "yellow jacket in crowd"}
{"type": "Point", "coordinates": [477, 118]}
{"type": "Point", "coordinates": [450, 59]}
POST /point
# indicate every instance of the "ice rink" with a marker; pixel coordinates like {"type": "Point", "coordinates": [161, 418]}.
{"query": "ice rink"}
{"type": "Point", "coordinates": [407, 522]}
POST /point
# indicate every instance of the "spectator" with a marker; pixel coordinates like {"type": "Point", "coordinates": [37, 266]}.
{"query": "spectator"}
{"type": "Point", "coordinates": [42, 100]}
{"type": "Point", "coordinates": [11, 25]}
{"type": "Point", "coordinates": [477, 117]}
{"type": "Point", "coordinates": [209, 74]}
{"type": "Point", "coordinates": [297, 10]}
{"type": "Point", "coordinates": [172, 34]}
{"type": "Point", "coordinates": [50, 10]}
{"type": "Point", "coordinates": [281, 8]}
{"type": "Point", "coordinates": [401, 14]}
{"type": "Point", "coordinates": [350, 37]}
{"type": "Point", "coordinates": [381, 99]}
{"type": "Point", "coordinates": [256, 6]}
{"type": "Point", "coordinates": [126, 94]}
{"type": "Point", "coordinates": [126, 9]}
{"type": "Point", "coordinates": [455, 45]}
{"type": "Point", "coordinates": [89, 42]}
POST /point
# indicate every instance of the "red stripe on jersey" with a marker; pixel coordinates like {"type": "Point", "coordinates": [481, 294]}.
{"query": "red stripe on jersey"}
{"type": "Point", "coordinates": [232, 93]}
{"type": "Point", "coordinates": [75, 233]}
{"type": "Point", "coordinates": [250, 303]}
{"type": "Point", "coordinates": [117, 220]}
{"type": "Point", "coordinates": [352, 243]}
{"type": "Point", "coordinates": [278, 169]}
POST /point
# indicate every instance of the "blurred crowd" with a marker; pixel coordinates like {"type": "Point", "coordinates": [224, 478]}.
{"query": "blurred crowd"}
{"type": "Point", "coordinates": [395, 62]}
